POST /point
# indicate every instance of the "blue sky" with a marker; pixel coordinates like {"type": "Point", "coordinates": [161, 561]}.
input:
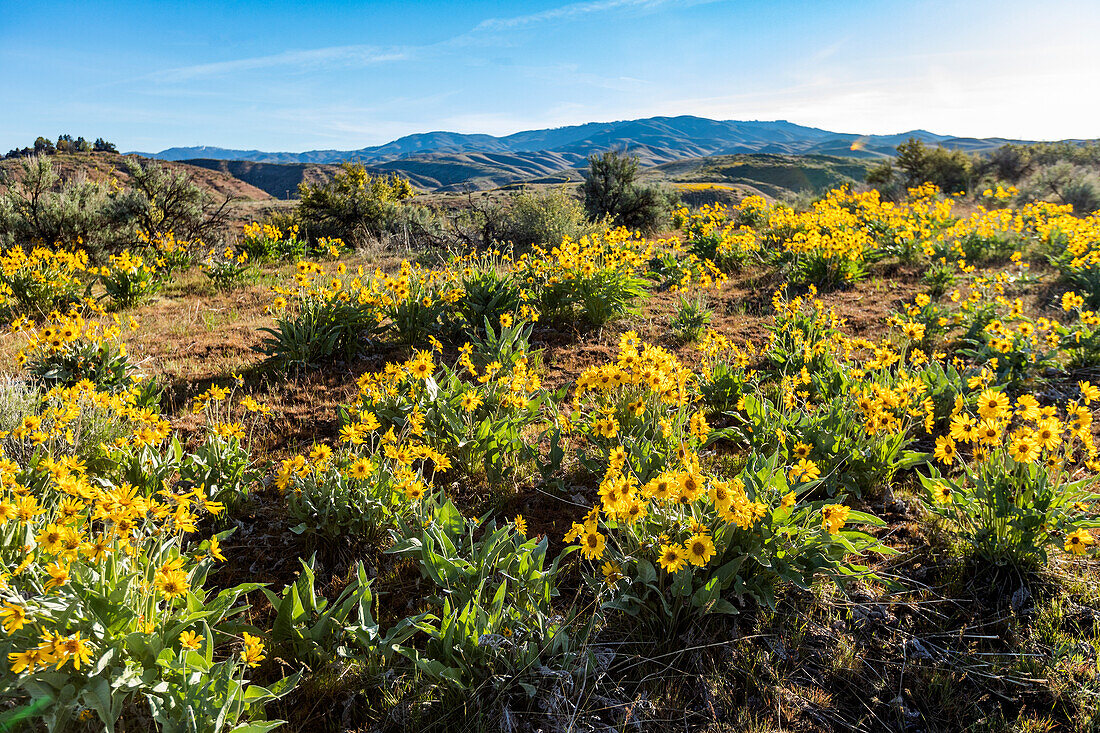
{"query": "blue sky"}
{"type": "Point", "coordinates": [304, 75]}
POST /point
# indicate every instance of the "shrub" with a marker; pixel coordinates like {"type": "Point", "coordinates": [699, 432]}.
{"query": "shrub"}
{"type": "Point", "coordinates": [158, 199]}
{"type": "Point", "coordinates": [950, 170]}
{"type": "Point", "coordinates": [40, 209]}
{"type": "Point", "coordinates": [611, 190]}
{"type": "Point", "coordinates": [353, 205]}
{"type": "Point", "coordinates": [1073, 185]}
{"type": "Point", "coordinates": [544, 218]}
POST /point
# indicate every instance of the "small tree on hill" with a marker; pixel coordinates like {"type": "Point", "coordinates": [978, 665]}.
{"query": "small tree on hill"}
{"type": "Point", "coordinates": [951, 170]}
{"type": "Point", "coordinates": [612, 191]}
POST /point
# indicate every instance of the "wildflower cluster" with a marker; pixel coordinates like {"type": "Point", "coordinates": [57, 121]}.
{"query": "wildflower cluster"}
{"type": "Point", "coordinates": [661, 508]}
{"type": "Point", "coordinates": [42, 280]}
{"type": "Point", "coordinates": [1008, 484]}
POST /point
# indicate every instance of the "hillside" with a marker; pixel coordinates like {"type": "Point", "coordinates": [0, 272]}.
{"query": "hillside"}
{"type": "Point", "coordinates": [105, 166]}
{"type": "Point", "coordinates": [449, 161]}
{"type": "Point", "coordinates": [769, 174]}
{"type": "Point", "coordinates": [279, 180]}
{"type": "Point", "coordinates": [655, 140]}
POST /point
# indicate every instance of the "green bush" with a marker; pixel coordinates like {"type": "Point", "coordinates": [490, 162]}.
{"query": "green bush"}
{"type": "Point", "coordinates": [129, 280]}
{"type": "Point", "coordinates": [354, 205]}
{"type": "Point", "coordinates": [544, 218]}
{"type": "Point", "coordinates": [316, 329]}
{"type": "Point", "coordinates": [951, 170]}
{"type": "Point", "coordinates": [487, 294]}
{"type": "Point", "coordinates": [692, 317]}
{"type": "Point", "coordinates": [344, 498]}
{"type": "Point", "coordinates": [611, 190]}
{"type": "Point", "coordinates": [38, 208]}
{"type": "Point", "coordinates": [1014, 497]}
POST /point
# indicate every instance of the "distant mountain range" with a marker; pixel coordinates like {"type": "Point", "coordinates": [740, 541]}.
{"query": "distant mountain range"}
{"type": "Point", "coordinates": [661, 139]}
{"type": "Point", "coordinates": [452, 161]}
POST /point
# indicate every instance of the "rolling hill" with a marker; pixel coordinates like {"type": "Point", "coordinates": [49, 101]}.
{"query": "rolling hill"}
{"type": "Point", "coordinates": [768, 173]}
{"type": "Point", "coordinates": [449, 161]}
{"type": "Point", "coordinates": [105, 166]}
{"type": "Point", "coordinates": [656, 140]}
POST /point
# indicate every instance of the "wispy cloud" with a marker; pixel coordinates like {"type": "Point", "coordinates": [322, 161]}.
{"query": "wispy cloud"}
{"type": "Point", "coordinates": [359, 56]}
{"type": "Point", "coordinates": [318, 58]}
{"type": "Point", "coordinates": [567, 12]}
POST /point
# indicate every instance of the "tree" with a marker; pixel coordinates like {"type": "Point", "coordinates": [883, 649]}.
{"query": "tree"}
{"type": "Point", "coordinates": [950, 170]}
{"type": "Point", "coordinates": [102, 146]}
{"type": "Point", "coordinates": [611, 190]}
{"type": "Point", "coordinates": [1010, 162]}
{"type": "Point", "coordinates": [912, 160]}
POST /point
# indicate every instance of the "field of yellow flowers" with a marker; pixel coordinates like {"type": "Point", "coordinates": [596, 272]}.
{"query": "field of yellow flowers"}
{"type": "Point", "coordinates": [821, 469]}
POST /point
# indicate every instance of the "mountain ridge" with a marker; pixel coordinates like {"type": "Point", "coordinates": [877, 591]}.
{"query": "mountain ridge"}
{"type": "Point", "coordinates": [695, 135]}
{"type": "Point", "coordinates": [453, 161]}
